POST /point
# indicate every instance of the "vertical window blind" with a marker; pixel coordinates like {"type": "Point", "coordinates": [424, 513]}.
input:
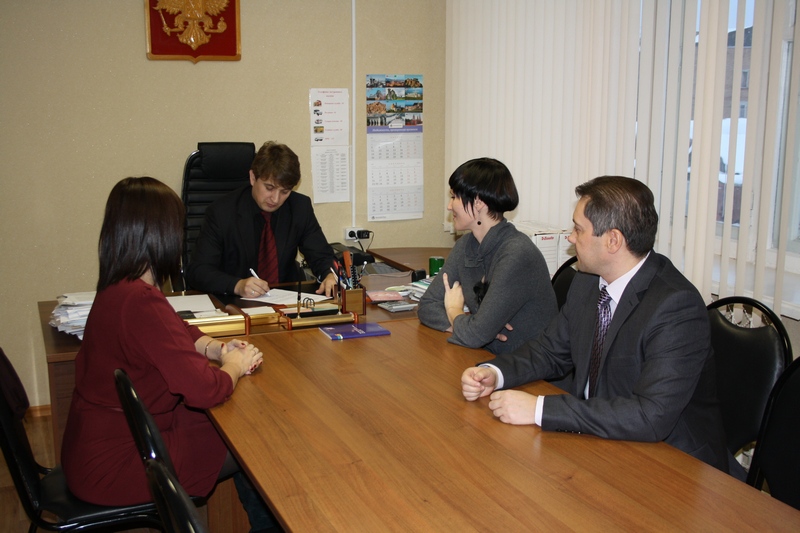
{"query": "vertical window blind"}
{"type": "Point", "coordinates": [698, 99]}
{"type": "Point", "coordinates": [549, 88]}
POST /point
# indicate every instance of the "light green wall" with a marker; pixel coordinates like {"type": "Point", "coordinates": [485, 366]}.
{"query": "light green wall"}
{"type": "Point", "coordinates": [81, 107]}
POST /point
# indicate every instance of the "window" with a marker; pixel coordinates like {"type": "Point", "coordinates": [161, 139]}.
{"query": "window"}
{"type": "Point", "coordinates": [757, 236]}
{"type": "Point", "coordinates": [659, 87]}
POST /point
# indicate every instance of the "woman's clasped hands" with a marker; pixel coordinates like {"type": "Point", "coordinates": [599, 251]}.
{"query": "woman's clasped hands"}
{"type": "Point", "coordinates": [247, 355]}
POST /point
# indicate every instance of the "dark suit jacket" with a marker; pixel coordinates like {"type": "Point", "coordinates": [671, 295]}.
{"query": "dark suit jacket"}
{"type": "Point", "coordinates": [656, 379]}
{"type": "Point", "coordinates": [227, 246]}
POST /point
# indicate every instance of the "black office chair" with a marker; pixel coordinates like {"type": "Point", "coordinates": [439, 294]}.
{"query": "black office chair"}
{"type": "Point", "coordinates": [561, 282]}
{"type": "Point", "coordinates": [176, 508]}
{"type": "Point", "coordinates": [211, 171]}
{"type": "Point", "coordinates": [562, 279]}
{"type": "Point", "coordinates": [145, 432]}
{"type": "Point", "coordinates": [43, 489]}
{"type": "Point", "coordinates": [776, 459]}
{"type": "Point", "coordinates": [751, 349]}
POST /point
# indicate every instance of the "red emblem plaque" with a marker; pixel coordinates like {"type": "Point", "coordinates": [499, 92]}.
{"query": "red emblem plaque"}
{"type": "Point", "coordinates": [193, 29]}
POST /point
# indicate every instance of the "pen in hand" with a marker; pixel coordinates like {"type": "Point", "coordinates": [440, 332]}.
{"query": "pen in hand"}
{"type": "Point", "coordinates": [253, 272]}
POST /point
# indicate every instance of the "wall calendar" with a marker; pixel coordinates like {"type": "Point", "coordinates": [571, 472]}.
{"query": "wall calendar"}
{"type": "Point", "coordinates": [395, 181]}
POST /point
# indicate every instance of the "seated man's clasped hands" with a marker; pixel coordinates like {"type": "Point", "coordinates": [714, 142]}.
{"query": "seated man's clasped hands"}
{"type": "Point", "coordinates": [512, 406]}
{"type": "Point", "coordinates": [634, 330]}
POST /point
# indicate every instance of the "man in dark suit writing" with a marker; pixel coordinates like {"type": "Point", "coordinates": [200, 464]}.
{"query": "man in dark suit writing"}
{"type": "Point", "coordinates": [634, 330]}
{"type": "Point", "coordinates": [250, 237]}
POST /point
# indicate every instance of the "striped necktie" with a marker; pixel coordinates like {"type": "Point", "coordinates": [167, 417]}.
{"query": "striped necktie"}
{"type": "Point", "coordinates": [603, 320]}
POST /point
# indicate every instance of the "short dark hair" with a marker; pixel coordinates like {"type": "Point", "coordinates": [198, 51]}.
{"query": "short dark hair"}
{"type": "Point", "coordinates": [625, 204]}
{"type": "Point", "coordinates": [142, 229]}
{"type": "Point", "coordinates": [277, 162]}
{"type": "Point", "coordinates": [487, 179]}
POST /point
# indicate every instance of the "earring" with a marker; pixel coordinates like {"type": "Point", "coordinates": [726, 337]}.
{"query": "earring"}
{"type": "Point", "coordinates": [479, 222]}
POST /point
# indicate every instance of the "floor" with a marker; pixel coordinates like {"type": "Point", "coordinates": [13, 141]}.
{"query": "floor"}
{"type": "Point", "coordinates": [12, 515]}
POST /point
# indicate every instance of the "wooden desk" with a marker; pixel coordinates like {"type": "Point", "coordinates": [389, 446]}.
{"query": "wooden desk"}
{"type": "Point", "coordinates": [374, 435]}
{"type": "Point", "coordinates": [60, 349]}
{"type": "Point", "coordinates": [408, 258]}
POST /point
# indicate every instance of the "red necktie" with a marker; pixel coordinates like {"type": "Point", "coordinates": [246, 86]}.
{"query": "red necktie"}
{"type": "Point", "coordinates": [268, 253]}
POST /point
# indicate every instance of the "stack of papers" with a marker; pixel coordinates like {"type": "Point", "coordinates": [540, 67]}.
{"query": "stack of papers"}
{"type": "Point", "coordinates": [73, 309]}
{"type": "Point", "coordinates": [418, 288]}
{"type": "Point", "coordinates": [71, 312]}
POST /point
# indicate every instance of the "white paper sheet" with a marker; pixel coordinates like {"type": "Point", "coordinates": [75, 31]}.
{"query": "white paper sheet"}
{"type": "Point", "coordinates": [261, 310]}
{"type": "Point", "coordinates": [284, 297]}
{"type": "Point", "coordinates": [196, 303]}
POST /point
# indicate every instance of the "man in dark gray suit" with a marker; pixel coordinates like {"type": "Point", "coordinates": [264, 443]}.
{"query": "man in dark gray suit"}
{"type": "Point", "coordinates": [653, 375]}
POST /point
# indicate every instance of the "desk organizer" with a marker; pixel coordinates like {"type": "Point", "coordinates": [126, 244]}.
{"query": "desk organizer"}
{"type": "Point", "coordinates": [320, 320]}
{"type": "Point", "coordinates": [222, 326]}
{"type": "Point", "coordinates": [354, 301]}
{"type": "Point", "coordinates": [319, 309]}
{"type": "Point", "coordinates": [264, 319]}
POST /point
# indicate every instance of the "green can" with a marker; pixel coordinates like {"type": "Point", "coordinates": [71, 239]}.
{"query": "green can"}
{"type": "Point", "coordinates": [435, 264]}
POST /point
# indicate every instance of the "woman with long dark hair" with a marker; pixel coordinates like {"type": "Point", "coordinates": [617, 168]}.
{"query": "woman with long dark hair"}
{"type": "Point", "coordinates": [132, 326]}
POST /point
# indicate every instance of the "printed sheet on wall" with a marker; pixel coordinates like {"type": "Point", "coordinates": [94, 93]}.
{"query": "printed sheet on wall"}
{"type": "Point", "coordinates": [329, 128]}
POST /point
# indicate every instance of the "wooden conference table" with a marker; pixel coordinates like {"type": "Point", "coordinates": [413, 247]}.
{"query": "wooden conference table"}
{"type": "Point", "coordinates": [373, 434]}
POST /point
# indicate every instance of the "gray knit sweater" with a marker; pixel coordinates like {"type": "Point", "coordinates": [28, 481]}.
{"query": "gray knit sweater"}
{"type": "Point", "coordinates": [519, 291]}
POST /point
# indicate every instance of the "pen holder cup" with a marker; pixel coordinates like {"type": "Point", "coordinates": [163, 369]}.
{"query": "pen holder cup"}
{"type": "Point", "coordinates": [354, 301]}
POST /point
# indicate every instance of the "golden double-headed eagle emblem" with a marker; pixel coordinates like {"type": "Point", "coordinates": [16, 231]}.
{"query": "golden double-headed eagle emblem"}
{"type": "Point", "coordinates": [193, 19]}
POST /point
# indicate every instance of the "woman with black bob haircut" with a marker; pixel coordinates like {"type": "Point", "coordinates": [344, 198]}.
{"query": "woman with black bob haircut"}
{"type": "Point", "coordinates": [495, 270]}
{"type": "Point", "coordinates": [132, 326]}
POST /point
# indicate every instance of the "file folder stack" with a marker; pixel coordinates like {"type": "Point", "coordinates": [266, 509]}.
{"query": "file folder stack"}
{"type": "Point", "coordinates": [550, 240]}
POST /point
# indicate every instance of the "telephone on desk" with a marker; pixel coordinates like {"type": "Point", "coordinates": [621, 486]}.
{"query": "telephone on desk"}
{"type": "Point", "coordinates": [359, 256]}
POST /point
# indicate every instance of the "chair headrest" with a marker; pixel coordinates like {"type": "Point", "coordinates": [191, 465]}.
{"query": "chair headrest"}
{"type": "Point", "coordinates": [229, 159]}
{"type": "Point", "coordinates": [12, 388]}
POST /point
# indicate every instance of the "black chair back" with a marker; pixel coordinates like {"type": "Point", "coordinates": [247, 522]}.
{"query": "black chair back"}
{"type": "Point", "coordinates": [776, 458]}
{"type": "Point", "coordinates": [14, 439]}
{"type": "Point", "coordinates": [562, 279]}
{"type": "Point", "coordinates": [211, 171]}
{"type": "Point", "coordinates": [749, 360]}
{"type": "Point", "coordinates": [43, 489]}
{"type": "Point", "coordinates": [145, 432]}
{"type": "Point", "coordinates": [178, 513]}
